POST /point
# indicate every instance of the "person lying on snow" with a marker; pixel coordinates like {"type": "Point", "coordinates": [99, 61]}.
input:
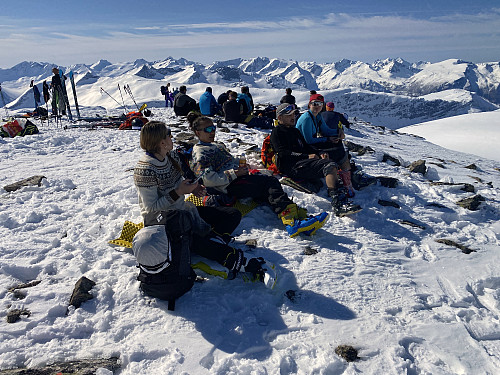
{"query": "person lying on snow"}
{"type": "Point", "coordinates": [223, 172]}
{"type": "Point", "coordinates": [299, 160]}
{"type": "Point", "coordinates": [161, 187]}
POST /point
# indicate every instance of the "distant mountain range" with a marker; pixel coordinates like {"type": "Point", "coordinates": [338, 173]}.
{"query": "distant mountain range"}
{"type": "Point", "coordinates": [393, 92]}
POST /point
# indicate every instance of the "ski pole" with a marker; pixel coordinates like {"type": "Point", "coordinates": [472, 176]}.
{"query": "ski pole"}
{"type": "Point", "coordinates": [124, 106]}
{"type": "Point", "coordinates": [129, 91]}
{"type": "Point", "coordinates": [104, 91]}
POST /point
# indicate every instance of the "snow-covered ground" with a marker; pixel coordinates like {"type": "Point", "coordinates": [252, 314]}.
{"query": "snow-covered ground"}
{"type": "Point", "coordinates": [474, 133]}
{"type": "Point", "coordinates": [409, 304]}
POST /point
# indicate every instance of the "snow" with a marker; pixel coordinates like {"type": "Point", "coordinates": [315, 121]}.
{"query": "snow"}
{"type": "Point", "coordinates": [474, 133]}
{"type": "Point", "coordinates": [409, 305]}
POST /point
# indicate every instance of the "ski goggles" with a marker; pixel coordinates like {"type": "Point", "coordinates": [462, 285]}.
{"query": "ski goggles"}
{"type": "Point", "coordinates": [316, 104]}
{"type": "Point", "coordinates": [286, 110]}
{"type": "Point", "coordinates": [209, 129]}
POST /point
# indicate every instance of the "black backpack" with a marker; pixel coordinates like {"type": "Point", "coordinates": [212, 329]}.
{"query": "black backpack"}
{"type": "Point", "coordinates": [178, 278]}
{"type": "Point", "coordinates": [163, 90]}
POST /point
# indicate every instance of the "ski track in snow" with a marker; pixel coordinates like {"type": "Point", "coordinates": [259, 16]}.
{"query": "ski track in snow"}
{"type": "Point", "coordinates": [410, 305]}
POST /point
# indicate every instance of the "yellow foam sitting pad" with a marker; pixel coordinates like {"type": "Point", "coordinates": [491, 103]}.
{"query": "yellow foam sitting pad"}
{"type": "Point", "coordinates": [128, 232]}
{"type": "Point", "coordinates": [244, 208]}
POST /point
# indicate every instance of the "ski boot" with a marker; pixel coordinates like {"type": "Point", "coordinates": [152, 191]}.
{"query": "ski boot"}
{"type": "Point", "coordinates": [341, 206]}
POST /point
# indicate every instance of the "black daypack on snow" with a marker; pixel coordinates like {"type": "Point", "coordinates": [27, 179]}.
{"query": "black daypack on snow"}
{"type": "Point", "coordinates": [178, 278]}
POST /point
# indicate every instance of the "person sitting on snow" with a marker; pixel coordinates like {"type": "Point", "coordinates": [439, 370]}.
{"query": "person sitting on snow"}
{"type": "Point", "coordinates": [208, 104]}
{"type": "Point", "coordinates": [183, 103]}
{"type": "Point", "coordinates": [300, 160]}
{"type": "Point", "coordinates": [224, 173]}
{"type": "Point", "coordinates": [161, 186]}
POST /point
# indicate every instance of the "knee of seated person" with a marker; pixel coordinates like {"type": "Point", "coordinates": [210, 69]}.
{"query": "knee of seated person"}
{"type": "Point", "coordinates": [330, 168]}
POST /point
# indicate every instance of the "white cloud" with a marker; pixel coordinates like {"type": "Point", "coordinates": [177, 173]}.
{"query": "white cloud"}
{"type": "Point", "coordinates": [329, 38]}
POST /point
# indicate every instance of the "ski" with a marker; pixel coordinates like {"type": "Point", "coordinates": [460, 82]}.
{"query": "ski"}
{"type": "Point", "coordinates": [73, 86]}
{"type": "Point", "coordinates": [65, 93]}
{"type": "Point", "coordinates": [294, 184]}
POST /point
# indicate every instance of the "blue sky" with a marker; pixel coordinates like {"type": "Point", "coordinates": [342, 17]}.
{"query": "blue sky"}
{"type": "Point", "coordinates": [69, 32]}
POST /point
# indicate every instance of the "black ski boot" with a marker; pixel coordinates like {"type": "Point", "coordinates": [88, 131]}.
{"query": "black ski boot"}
{"type": "Point", "coordinates": [341, 206]}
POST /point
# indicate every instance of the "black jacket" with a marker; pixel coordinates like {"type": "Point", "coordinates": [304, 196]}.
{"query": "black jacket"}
{"type": "Point", "coordinates": [290, 99]}
{"type": "Point", "coordinates": [290, 147]}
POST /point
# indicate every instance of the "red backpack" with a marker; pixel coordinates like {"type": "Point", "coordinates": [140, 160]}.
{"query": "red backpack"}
{"type": "Point", "coordinates": [131, 116]}
{"type": "Point", "coordinates": [267, 155]}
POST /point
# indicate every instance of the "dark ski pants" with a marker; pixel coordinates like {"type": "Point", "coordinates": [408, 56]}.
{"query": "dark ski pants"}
{"type": "Point", "coordinates": [260, 187]}
{"type": "Point", "coordinates": [223, 220]}
{"type": "Point", "coordinates": [310, 169]}
{"type": "Point", "coordinates": [336, 151]}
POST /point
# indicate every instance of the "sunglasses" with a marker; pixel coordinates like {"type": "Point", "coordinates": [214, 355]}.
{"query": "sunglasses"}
{"type": "Point", "coordinates": [286, 110]}
{"type": "Point", "coordinates": [316, 104]}
{"type": "Point", "coordinates": [209, 129]}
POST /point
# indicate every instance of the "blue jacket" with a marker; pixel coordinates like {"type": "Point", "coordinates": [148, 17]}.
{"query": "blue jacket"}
{"type": "Point", "coordinates": [309, 126]}
{"type": "Point", "coordinates": [208, 104]}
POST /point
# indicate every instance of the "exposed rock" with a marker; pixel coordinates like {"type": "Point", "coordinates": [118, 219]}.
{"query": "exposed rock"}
{"type": "Point", "coordinates": [389, 182]}
{"type": "Point", "coordinates": [392, 159]}
{"type": "Point", "coordinates": [81, 292]}
{"type": "Point", "coordinates": [185, 137]}
{"type": "Point", "coordinates": [412, 224]}
{"type": "Point", "coordinates": [361, 150]}
{"type": "Point", "coordinates": [388, 203]}
{"type": "Point", "coordinates": [308, 250]}
{"type": "Point", "coordinates": [224, 129]}
{"type": "Point", "coordinates": [439, 165]}
{"type": "Point", "coordinates": [31, 181]}
{"type": "Point", "coordinates": [349, 353]}
{"type": "Point", "coordinates": [14, 315]}
{"type": "Point", "coordinates": [418, 167]}
{"type": "Point", "coordinates": [465, 249]}
{"type": "Point", "coordinates": [291, 295]}
{"type": "Point", "coordinates": [472, 166]}
{"type": "Point", "coordinates": [26, 285]}
{"type": "Point", "coordinates": [471, 203]}
{"type": "Point", "coordinates": [251, 243]}
{"type": "Point", "coordinates": [81, 367]}
{"type": "Point", "coordinates": [468, 188]}
{"type": "Point", "coordinates": [438, 205]}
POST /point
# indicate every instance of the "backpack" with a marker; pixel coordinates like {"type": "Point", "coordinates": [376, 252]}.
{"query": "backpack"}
{"type": "Point", "coordinates": [163, 90]}
{"type": "Point", "coordinates": [127, 124]}
{"type": "Point", "coordinates": [267, 155]}
{"type": "Point", "coordinates": [163, 250]}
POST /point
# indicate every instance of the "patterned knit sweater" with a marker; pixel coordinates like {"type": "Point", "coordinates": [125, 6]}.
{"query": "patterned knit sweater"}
{"type": "Point", "coordinates": [154, 180]}
{"type": "Point", "coordinates": [216, 163]}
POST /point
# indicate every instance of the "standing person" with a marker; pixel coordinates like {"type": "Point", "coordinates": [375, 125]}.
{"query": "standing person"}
{"type": "Point", "coordinates": [288, 98]}
{"type": "Point", "coordinates": [329, 141]}
{"type": "Point", "coordinates": [183, 103]}
{"type": "Point", "coordinates": [223, 172]}
{"type": "Point", "coordinates": [161, 186]}
{"type": "Point", "coordinates": [208, 104]}
{"type": "Point", "coordinates": [58, 102]}
{"type": "Point", "coordinates": [168, 96]}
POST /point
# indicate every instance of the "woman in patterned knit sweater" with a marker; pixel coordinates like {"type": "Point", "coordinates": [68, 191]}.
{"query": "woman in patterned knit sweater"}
{"type": "Point", "coordinates": [222, 172]}
{"type": "Point", "coordinates": [161, 187]}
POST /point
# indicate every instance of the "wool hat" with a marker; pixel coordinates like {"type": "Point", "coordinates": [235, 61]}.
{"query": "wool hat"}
{"type": "Point", "coordinates": [316, 98]}
{"type": "Point", "coordinates": [330, 105]}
